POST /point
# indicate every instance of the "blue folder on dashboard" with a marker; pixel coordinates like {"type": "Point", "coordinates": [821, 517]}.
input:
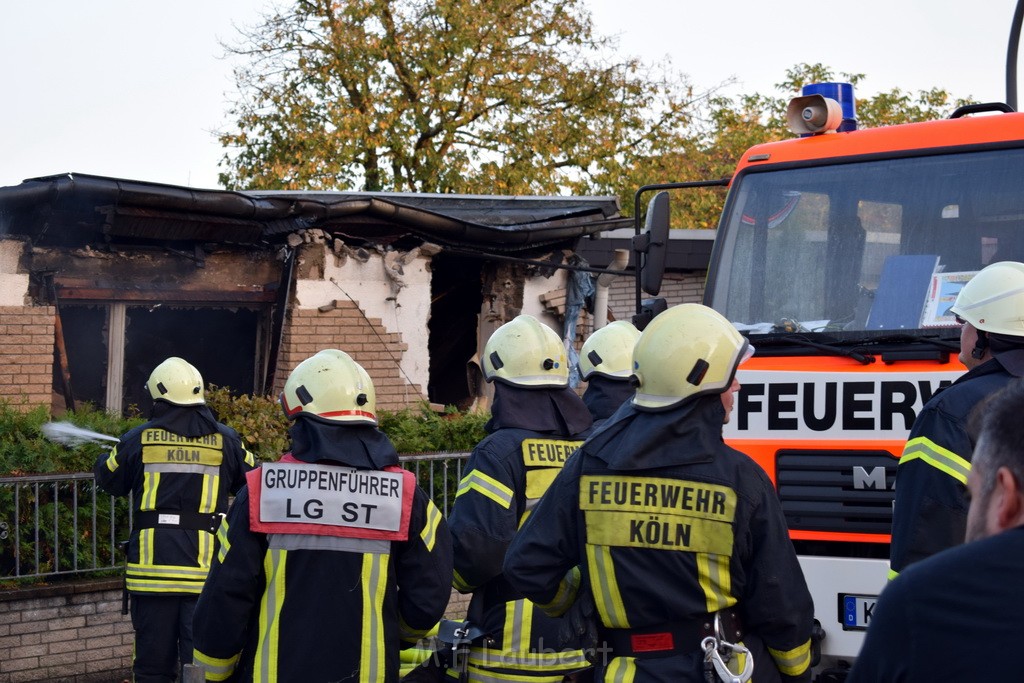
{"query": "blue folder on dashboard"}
{"type": "Point", "coordinates": [902, 292]}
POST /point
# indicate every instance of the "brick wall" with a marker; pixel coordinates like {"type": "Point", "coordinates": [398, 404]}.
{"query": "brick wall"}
{"type": "Point", "coordinates": [26, 354]}
{"type": "Point", "coordinates": [676, 288]}
{"type": "Point", "coordinates": [74, 633]}
{"type": "Point", "coordinates": [366, 340]}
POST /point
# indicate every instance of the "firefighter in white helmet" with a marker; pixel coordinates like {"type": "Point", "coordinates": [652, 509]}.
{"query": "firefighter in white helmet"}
{"type": "Point", "coordinates": [674, 531]}
{"type": "Point", "coordinates": [333, 557]}
{"type": "Point", "coordinates": [606, 363]}
{"type": "Point", "coordinates": [180, 468]}
{"type": "Point", "coordinates": [536, 423]}
{"type": "Point", "coordinates": [930, 511]}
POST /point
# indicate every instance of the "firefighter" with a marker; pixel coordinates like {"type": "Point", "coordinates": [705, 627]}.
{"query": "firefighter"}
{"type": "Point", "coordinates": [331, 557]}
{"type": "Point", "coordinates": [951, 616]}
{"type": "Point", "coordinates": [606, 363]}
{"type": "Point", "coordinates": [180, 468]}
{"type": "Point", "coordinates": [677, 536]}
{"type": "Point", "coordinates": [536, 423]}
{"type": "Point", "coordinates": [930, 510]}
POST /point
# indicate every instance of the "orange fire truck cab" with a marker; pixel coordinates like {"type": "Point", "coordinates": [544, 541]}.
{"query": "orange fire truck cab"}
{"type": "Point", "coordinates": [839, 253]}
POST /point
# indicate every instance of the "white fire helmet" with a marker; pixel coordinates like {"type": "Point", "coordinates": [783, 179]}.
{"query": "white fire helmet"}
{"type": "Point", "coordinates": [525, 352]}
{"type": "Point", "coordinates": [685, 351]}
{"type": "Point", "coordinates": [176, 381]}
{"type": "Point", "coordinates": [993, 300]}
{"type": "Point", "coordinates": [332, 388]}
{"type": "Point", "coordinates": [608, 352]}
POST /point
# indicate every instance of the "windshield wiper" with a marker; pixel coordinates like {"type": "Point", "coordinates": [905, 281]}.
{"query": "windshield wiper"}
{"type": "Point", "coordinates": [830, 348]}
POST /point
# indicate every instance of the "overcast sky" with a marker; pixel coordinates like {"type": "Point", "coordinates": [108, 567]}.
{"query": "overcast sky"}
{"type": "Point", "coordinates": [135, 88]}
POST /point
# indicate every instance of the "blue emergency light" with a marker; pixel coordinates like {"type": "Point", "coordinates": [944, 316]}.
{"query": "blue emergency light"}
{"type": "Point", "coordinates": [841, 93]}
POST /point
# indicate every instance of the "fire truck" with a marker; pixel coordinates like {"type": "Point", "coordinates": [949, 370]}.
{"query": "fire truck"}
{"type": "Point", "coordinates": [839, 253]}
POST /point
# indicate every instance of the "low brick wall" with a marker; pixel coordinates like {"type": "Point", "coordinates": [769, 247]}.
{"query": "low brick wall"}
{"type": "Point", "coordinates": [75, 633]}
{"type": "Point", "coordinates": [72, 633]}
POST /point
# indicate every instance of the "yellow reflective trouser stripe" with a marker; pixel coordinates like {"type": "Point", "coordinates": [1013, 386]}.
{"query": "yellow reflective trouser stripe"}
{"type": "Point", "coordinates": [487, 486]}
{"type": "Point", "coordinates": [605, 587]}
{"type": "Point", "coordinates": [715, 579]}
{"type": "Point", "coordinates": [112, 460]}
{"type": "Point", "coordinates": [621, 670]}
{"type": "Point", "coordinates": [518, 628]}
{"type": "Point", "coordinates": [429, 533]}
{"type": "Point", "coordinates": [793, 662]}
{"type": "Point", "coordinates": [568, 587]}
{"type": "Point", "coordinates": [222, 538]}
{"type": "Point", "coordinates": [216, 669]}
{"type": "Point", "coordinates": [942, 459]}
{"type": "Point", "coordinates": [265, 666]}
{"type": "Point", "coordinates": [371, 655]}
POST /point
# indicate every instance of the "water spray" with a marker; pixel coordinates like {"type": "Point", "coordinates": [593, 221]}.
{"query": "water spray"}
{"type": "Point", "coordinates": [72, 435]}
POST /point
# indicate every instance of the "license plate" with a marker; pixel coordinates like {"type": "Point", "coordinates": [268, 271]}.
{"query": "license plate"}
{"type": "Point", "coordinates": [855, 611]}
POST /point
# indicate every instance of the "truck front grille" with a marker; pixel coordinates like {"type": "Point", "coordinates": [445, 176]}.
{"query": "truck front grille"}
{"type": "Point", "coordinates": [837, 491]}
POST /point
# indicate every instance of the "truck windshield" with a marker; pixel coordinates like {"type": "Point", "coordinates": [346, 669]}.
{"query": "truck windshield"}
{"type": "Point", "coordinates": [865, 246]}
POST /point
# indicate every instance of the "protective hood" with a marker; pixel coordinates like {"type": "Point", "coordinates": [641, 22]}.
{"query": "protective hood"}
{"type": "Point", "coordinates": [553, 411]}
{"type": "Point", "coordinates": [604, 396]}
{"type": "Point", "coordinates": [190, 421]}
{"type": "Point", "coordinates": [634, 439]}
{"type": "Point", "coordinates": [356, 445]}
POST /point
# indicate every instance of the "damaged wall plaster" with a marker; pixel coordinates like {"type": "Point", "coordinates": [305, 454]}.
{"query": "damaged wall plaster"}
{"type": "Point", "coordinates": [13, 284]}
{"type": "Point", "coordinates": [405, 310]}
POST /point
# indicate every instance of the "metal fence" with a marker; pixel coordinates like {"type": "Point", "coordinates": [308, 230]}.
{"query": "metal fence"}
{"type": "Point", "coordinates": [64, 525]}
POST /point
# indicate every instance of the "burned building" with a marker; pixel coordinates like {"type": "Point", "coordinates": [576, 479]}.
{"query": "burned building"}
{"type": "Point", "coordinates": [101, 278]}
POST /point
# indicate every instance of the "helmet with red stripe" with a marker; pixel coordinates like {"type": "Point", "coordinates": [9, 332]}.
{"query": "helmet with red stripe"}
{"type": "Point", "coordinates": [330, 387]}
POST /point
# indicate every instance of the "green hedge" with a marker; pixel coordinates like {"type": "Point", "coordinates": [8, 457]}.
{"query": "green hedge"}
{"type": "Point", "coordinates": [258, 419]}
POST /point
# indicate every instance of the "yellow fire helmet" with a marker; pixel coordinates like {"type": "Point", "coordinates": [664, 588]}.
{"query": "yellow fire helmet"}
{"type": "Point", "coordinates": [525, 352]}
{"type": "Point", "coordinates": [330, 387]}
{"type": "Point", "coordinates": [993, 300]}
{"type": "Point", "coordinates": [176, 381]}
{"type": "Point", "coordinates": [686, 351]}
{"type": "Point", "coordinates": [609, 351]}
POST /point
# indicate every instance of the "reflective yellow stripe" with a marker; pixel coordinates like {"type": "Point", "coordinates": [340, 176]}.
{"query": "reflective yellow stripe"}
{"type": "Point", "coordinates": [150, 483]}
{"type": "Point", "coordinates": [206, 544]}
{"type": "Point", "coordinates": [211, 485]}
{"type": "Point", "coordinates": [605, 587]}
{"type": "Point", "coordinates": [568, 587]}
{"type": "Point", "coordinates": [371, 655]}
{"type": "Point", "coordinates": [487, 486]}
{"type": "Point", "coordinates": [793, 662]}
{"type": "Point", "coordinates": [429, 533]}
{"type": "Point", "coordinates": [112, 460]}
{"type": "Point", "coordinates": [265, 666]}
{"type": "Point", "coordinates": [250, 459]}
{"type": "Point", "coordinates": [716, 581]}
{"type": "Point", "coordinates": [216, 669]}
{"type": "Point", "coordinates": [167, 571]}
{"type": "Point", "coordinates": [621, 670]}
{"type": "Point", "coordinates": [146, 546]}
{"type": "Point", "coordinates": [565, 661]}
{"type": "Point", "coordinates": [410, 634]}
{"type": "Point", "coordinates": [222, 538]}
{"type": "Point", "coordinates": [893, 574]}
{"type": "Point", "coordinates": [518, 627]}
{"type": "Point", "coordinates": [942, 459]}
{"type": "Point", "coordinates": [480, 675]}
{"type": "Point", "coordinates": [144, 585]}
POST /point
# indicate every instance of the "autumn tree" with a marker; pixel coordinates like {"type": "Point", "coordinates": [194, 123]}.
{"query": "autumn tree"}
{"type": "Point", "coordinates": [490, 96]}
